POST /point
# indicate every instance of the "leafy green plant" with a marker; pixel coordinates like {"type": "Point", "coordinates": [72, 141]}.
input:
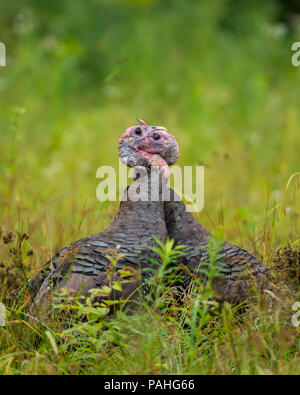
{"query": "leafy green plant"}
{"type": "Point", "coordinates": [218, 75]}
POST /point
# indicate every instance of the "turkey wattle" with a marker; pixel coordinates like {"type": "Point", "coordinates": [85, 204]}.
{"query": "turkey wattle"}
{"type": "Point", "coordinates": [85, 264]}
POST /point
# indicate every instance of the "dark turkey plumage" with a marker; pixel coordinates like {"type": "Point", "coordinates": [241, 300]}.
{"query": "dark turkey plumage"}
{"type": "Point", "coordinates": [84, 264]}
{"type": "Point", "coordinates": [239, 269]}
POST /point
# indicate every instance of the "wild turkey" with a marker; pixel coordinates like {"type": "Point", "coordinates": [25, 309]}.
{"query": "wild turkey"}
{"type": "Point", "coordinates": [85, 264]}
{"type": "Point", "coordinates": [239, 268]}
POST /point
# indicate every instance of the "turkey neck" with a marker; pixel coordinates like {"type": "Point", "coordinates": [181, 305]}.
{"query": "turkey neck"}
{"type": "Point", "coordinates": [181, 225]}
{"type": "Point", "coordinates": [143, 218]}
{"type": "Point", "coordinates": [147, 213]}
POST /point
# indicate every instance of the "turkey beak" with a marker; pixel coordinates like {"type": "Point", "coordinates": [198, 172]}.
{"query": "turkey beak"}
{"type": "Point", "coordinates": [144, 143]}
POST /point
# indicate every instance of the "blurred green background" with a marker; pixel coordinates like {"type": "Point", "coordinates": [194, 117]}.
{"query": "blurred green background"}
{"type": "Point", "coordinates": [217, 74]}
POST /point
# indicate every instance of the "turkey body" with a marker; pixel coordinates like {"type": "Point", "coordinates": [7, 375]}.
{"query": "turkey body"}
{"type": "Point", "coordinates": [84, 264]}
{"type": "Point", "coordinates": [238, 268]}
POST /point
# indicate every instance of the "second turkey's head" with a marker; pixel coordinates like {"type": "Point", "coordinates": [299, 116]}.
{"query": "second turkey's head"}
{"type": "Point", "coordinates": [148, 146]}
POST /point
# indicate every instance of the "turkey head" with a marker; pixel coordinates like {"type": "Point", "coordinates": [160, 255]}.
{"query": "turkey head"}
{"type": "Point", "coordinates": [148, 147]}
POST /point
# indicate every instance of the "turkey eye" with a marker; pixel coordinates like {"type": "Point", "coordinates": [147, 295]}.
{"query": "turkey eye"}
{"type": "Point", "coordinates": [138, 131]}
{"type": "Point", "coordinates": [156, 136]}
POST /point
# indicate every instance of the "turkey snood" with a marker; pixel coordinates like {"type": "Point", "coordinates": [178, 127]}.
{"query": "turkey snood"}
{"type": "Point", "coordinates": [85, 264]}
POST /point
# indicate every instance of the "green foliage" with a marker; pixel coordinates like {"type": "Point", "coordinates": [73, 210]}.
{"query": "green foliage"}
{"type": "Point", "coordinates": [192, 335]}
{"type": "Point", "coordinates": [218, 74]}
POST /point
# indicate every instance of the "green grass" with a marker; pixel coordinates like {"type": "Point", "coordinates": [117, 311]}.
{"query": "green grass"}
{"type": "Point", "coordinates": [219, 76]}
